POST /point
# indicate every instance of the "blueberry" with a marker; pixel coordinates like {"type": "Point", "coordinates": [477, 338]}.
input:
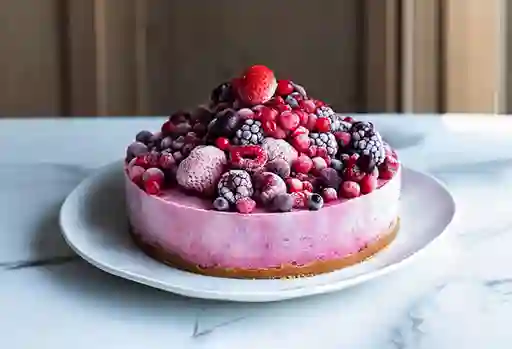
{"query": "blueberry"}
{"type": "Point", "coordinates": [337, 164]}
{"type": "Point", "coordinates": [315, 202]}
{"type": "Point", "coordinates": [280, 167]}
{"type": "Point", "coordinates": [282, 203]}
{"type": "Point", "coordinates": [292, 102]}
{"type": "Point", "coordinates": [143, 136]}
{"type": "Point", "coordinates": [329, 178]}
{"type": "Point", "coordinates": [221, 204]}
{"type": "Point", "coordinates": [136, 149]}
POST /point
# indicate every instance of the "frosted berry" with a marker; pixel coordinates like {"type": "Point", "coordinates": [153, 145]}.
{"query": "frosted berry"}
{"type": "Point", "coordinates": [301, 130]}
{"type": "Point", "coordinates": [201, 170]}
{"type": "Point", "coordinates": [353, 174]}
{"type": "Point", "coordinates": [319, 163]}
{"type": "Point", "coordinates": [368, 183]}
{"type": "Point", "coordinates": [367, 141]}
{"type": "Point", "coordinates": [249, 132]}
{"type": "Point", "coordinates": [257, 85]}
{"type": "Point", "coordinates": [330, 178]}
{"type": "Point", "coordinates": [221, 204]}
{"type": "Point", "coordinates": [301, 143]}
{"type": "Point", "coordinates": [153, 174]}
{"type": "Point", "coordinates": [143, 136]}
{"type": "Point", "coordinates": [303, 164]}
{"type": "Point", "coordinates": [292, 102]}
{"type": "Point", "coordinates": [349, 119]}
{"type": "Point", "coordinates": [222, 93]}
{"type": "Point", "coordinates": [299, 90]}
{"type": "Point", "coordinates": [279, 149]}
{"type": "Point", "coordinates": [307, 186]}
{"type": "Point", "coordinates": [246, 113]}
{"type": "Point", "coordinates": [278, 166]}
{"type": "Point", "coordinates": [303, 116]}
{"type": "Point", "coordinates": [329, 194]}
{"type": "Point", "coordinates": [135, 173]}
{"type": "Point", "coordinates": [222, 143]}
{"type": "Point", "coordinates": [350, 189]}
{"type": "Point", "coordinates": [245, 205]}
{"type": "Point", "coordinates": [308, 105]}
{"type": "Point", "coordinates": [166, 160]}
{"type": "Point", "coordinates": [323, 124]}
{"type": "Point", "coordinates": [325, 140]}
{"type": "Point", "coordinates": [294, 185]}
{"type": "Point", "coordinates": [288, 120]}
{"type": "Point", "coordinates": [315, 202]}
{"type": "Point", "coordinates": [135, 149]}
{"type": "Point", "coordinates": [284, 87]}
{"type": "Point", "coordinates": [152, 187]}
{"type": "Point", "coordinates": [248, 157]}
{"type": "Point", "coordinates": [300, 199]}
{"type": "Point", "coordinates": [311, 123]}
{"type": "Point", "coordinates": [337, 164]}
{"type": "Point", "coordinates": [268, 185]}
{"type": "Point", "coordinates": [283, 203]}
{"type": "Point", "coordinates": [234, 185]}
{"type": "Point", "coordinates": [388, 168]}
{"type": "Point", "coordinates": [344, 139]}
{"type": "Point", "coordinates": [224, 124]}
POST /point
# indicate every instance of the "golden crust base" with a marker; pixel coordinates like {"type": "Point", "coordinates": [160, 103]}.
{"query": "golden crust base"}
{"type": "Point", "coordinates": [283, 271]}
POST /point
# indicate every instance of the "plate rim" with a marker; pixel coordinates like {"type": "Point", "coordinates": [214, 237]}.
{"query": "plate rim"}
{"type": "Point", "coordinates": [297, 291]}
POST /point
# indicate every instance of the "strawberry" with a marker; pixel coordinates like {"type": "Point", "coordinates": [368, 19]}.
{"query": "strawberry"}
{"type": "Point", "coordinates": [257, 85]}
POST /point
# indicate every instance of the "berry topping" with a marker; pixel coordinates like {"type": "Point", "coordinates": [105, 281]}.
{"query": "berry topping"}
{"type": "Point", "coordinates": [135, 173]}
{"type": "Point", "coordinates": [307, 186]}
{"type": "Point", "coordinates": [135, 149]}
{"type": "Point", "coordinates": [288, 120]}
{"type": "Point", "coordinates": [343, 138]}
{"type": "Point", "coordinates": [301, 142]}
{"type": "Point", "coordinates": [201, 170]}
{"type": "Point", "coordinates": [234, 185]}
{"type": "Point", "coordinates": [337, 164]}
{"type": "Point", "coordinates": [222, 93]}
{"type": "Point", "coordinates": [368, 183]}
{"type": "Point", "coordinates": [308, 105]}
{"type": "Point", "coordinates": [153, 174]}
{"type": "Point", "coordinates": [166, 160]}
{"type": "Point", "coordinates": [152, 187]}
{"type": "Point", "coordinates": [353, 174]}
{"type": "Point", "coordinates": [388, 168]}
{"type": "Point", "coordinates": [278, 166]}
{"type": "Point", "coordinates": [300, 199]}
{"type": "Point", "coordinates": [319, 163]}
{"type": "Point", "coordinates": [257, 85]}
{"type": "Point", "coordinates": [329, 194]}
{"type": "Point", "coordinates": [279, 149]}
{"type": "Point", "coordinates": [367, 141]}
{"type": "Point", "coordinates": [224, 124]}
{"type": "Point", "coordinates": [222, 143]}
{"type": "Point", "coordinates": [250, 132]}
{"type": "Point", "coordinates": [315, 201]}
{"type": "Point", "coordinates": [294, 185]}
{"type": "Point", "coordinates": [248, 157]}
{"type": "Point", "coordinates": [350, 189]}
{"type": "Point", "coordinates": [329, 178]}
{"type": "Point", "coordinates": [284, 87]}
{"type": "Point", "coordinates": [246, 113]}
{"type": "Point", "coordinates": [283, 203]}
{"type": "Point", "coordinates": [299, 89]}
{"type": "Point", "coordinates": [245, 205]}
{"type": "Point", "coordinates": [303, 164]}
{"type": "Point", "coordinates": [268, 185]}
{"type": "Point", "coordinates": [325, 140]}
{"type": "Point", "coordinates": [221, 204]}
{"type": "Point", "coordinates": [323, 124]}
{"type": "Point", "coordinates": [143, 136]}
{"type": "Point", "coordinates": [311, 122]}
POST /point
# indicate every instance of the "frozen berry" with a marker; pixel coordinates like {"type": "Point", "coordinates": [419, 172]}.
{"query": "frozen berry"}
{"type": "Point", "coordinates": [319, 163]}
{"type": "Point", "coordinates": [135, 149]}
{"type": "Point", "coordinates": [367, 141]}
{"type": "Point", "coordinates": [308, 105]}
{"type": "Point", "coordinates": [294, 185]}
{"type": "Point", "coordinates": [143, 136]}
{"type": "Point", "coordinates": [278, 166]}
{"type": "Point", "coordinates": [324, 140]}
{"type": "Point", "coordinates": [201, 170]}
{"type": "Point", "coordinates": [281, 108]}
{"type": "Point", "coordinates": [292, 102]}
{"type": "Point", "coordinates": [303, 116]}
{"type": "Point", "coordinates": [329, 177]}
{"type": "Point", "coordinates": [337, 164]}
{"type": "Point", "coordinates": [153, 174]}
{"type": "Point", "coordinates": [307, 186]}
{"type": "Point", "coordinates": [315, 202]}
{"type": "Point", "coordinates": [284, 87]}
{"type": "Point", "coordinates": [301, 130]}
{"type": "Point", "coordinates": [323, 124]}
{"type": "Point", "coordinates": [257, 85]}
{"type": "Point", "coordinates": [135, 173]}
{"type": "Point", "coordinates": [152, 187]}
{"type": "Point", "coordinates": [368, 183]}
{"type": "Point", "coordinates": [301, 143]}
{"type": "Point", "coordinates": [300, 199]}
{"type": "Point", "coordinates": [249, 132]}
{"type": "Point", "coordinates": [279, 149]}
{"type": "Point", "coordinates": [311, 123]}
{"type": "Point", "coordinates": [303, 164]}
{"type": "Point", "coordinates": [224, 124]}
{"type": "Point", "coordinates": [348, 119]}
{"type": "Point", "coordinates": [166, 127]}
{"type": "Point", "coordinates": [246, 113]}
{"type": "Point", "coordinates": [343, 138]}
{"type": "Point", "coordinates": [268, 185]}
{"type": "Point", "coordinates": [283, 203]}
{"type": "Point", "coordinates": [222, 93]}
{"type": "Point", "coordinates": [234, 185]}
{"type": "Point", "coordinates": [350, 189]}
{"type": "Point", "coordinates": [245, 205]}
{"type": "Point", "coordinates": [329, 194]}
{"type": "Point", "coordinates": [353, 174]}
{"type": "Point", "coordinates": [166, 160]}
{"type": "Point", "coordinates": [288, 120]}
{"type": "Point", "coordinates": [248, 157]}
{"type": "Point", "coordinates": [221, 204]}
{"type": "Point", "coordinates": [222, 143]}
{"type": "Point", "coordinates": [388, 168]}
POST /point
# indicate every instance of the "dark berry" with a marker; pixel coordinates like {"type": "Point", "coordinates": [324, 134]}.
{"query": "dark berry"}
{"type": "Point", "coordinates": [337, 164]}
{"type": "Point", "coordinates": [283, 203]}
{"type": "Point", "coordinates": [135, 149]}
{"type": "Point", "coordinates": [367, 141]}
{"type": "Point", "coordinates": [329, 178]}
{"type": "Point", "coordinates": [278, 166]}
{"type": "Point", "coordinates": [223, 93]}
{"type": "Point", "coordinates": [143, 136]}
{"type": "Point", "coordinates": [315, 202]}
{"type": "Point", "coordinates": [249, 132]}
{"type": "Point", "coordinates": [221, 204]}
{"type": "Point", "coordinates": [292, 102]}
{"type": "Point", "coordinates": [234, 185]}
{"type": "Point", "coordinates": [225, 124]}
{"type": "Point", "coordinates": [325, 140]}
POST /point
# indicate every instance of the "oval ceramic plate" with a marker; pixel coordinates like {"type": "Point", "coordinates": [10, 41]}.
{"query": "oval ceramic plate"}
{"type": "Point", "coordinates": [93, 221]}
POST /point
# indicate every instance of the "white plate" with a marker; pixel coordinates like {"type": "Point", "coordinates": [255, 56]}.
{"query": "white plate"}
{"type": "Point", "coordinates": [94, 224]}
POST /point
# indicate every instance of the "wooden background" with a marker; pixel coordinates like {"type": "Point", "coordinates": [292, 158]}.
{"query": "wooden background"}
{"type": "Point", "coordinates": [149, 57]}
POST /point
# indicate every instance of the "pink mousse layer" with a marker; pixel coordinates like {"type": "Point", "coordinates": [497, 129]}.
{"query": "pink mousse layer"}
{"type": "Point", "coordinates": [184, 225]}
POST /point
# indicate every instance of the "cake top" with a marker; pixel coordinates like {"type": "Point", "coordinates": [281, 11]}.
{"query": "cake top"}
{"type": "Point", "coordinates": [261, 142]}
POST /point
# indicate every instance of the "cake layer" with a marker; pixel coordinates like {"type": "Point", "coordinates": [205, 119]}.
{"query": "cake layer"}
{"type": "Point", "coordinates": [226, 240]}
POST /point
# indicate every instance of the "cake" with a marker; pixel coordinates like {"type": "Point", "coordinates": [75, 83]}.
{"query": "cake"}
{"type": "Point", "coordinates": [263, 181]}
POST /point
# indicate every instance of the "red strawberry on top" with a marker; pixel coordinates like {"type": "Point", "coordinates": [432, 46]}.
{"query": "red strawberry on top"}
{"type": "Point", "coordinates": [257, 85]}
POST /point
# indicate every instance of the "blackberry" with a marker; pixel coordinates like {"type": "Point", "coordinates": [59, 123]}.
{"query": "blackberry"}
{"type": "Point", "coordinates": [223, 93]}
{"type": "Point", "coordinates": [367, 142]}
{"type": "Point", "coordinates": [234, 185]}
{"type": "Point", "coordinates": [250, 132]}
{"type": "Point", "coordinates": [325, 140]}
{"type": "Point", "coordinates": [225, 124]}
{"type": "Point", "coordinates": [337, 123]}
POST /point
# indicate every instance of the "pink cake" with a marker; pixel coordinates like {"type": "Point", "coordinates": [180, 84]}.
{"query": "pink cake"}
{"type": "Point", "coordinates": [262, 182]}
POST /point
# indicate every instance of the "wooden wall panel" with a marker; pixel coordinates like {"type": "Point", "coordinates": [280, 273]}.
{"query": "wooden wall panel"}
{"type": "Point", "coordinates": [30, 60]}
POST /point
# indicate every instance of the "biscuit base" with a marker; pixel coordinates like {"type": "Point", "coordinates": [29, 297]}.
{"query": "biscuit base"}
{"type": "Point", "coordinates": [284, 271]}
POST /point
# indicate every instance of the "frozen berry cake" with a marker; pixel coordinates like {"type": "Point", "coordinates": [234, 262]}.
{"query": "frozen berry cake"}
{"type": "Point", "coordinates": [263, 181]}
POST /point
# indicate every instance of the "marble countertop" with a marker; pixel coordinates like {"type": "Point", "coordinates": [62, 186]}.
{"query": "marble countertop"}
{"type": "Point", "coordinates": [457, 296]}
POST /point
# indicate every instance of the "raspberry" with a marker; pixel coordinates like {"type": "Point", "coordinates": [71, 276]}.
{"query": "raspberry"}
{"type": "Point", "coordinates": [315, 202]}
{"type": "Point", "coordinates": [245, 205]}
{"type": "Point", "coordinates": [350, 190]}
{"type": "Point", "coordinates": [294, 185]}
{"type": "Point", "coordinates": [303, 164]}
{"type": "Point", "coordinates": [283, 203]}
{"type": "Point", "coordinates": [307, 186]}
{"type": "Point", "coordinates": [288, 120]}
{"type": "Point", "coordinates": [325, 140]}
{"type": "Point", "coordinates": [323, 124]}
{"type": "Point", "coordinates": [250, 132]}
{"type": "Point", "coordinates": [221, 204]}
{"type": "Point", "coordinates": [268, 185]}
{"type": "Point", "coordinates": [234, 185]}
{"type": "Point", "coordinates": [278, 166]}
{"type": "Point", "coordinates": [279, 149]}
{"type": "Point", "coordinates": [329, 178]}
{"type": "Point", "coordinates": [284, 87]}
{"type": "Point", "coordinates": [329, 194]}
{"type": "Point", "coordinates": [143, 136]}
{"type": "Point", "coordinates": [201, 170]}
{"type": "Point", "coordinates": [248, 157]}
{"type": "Point", "coordinates": [367, 141]}
{"type": "Point", "coordinates": [257, 85]}
{"type": "Point", "coordinates": [368, 183]}
{"type": "Point", "coordinates": [301, 143]}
